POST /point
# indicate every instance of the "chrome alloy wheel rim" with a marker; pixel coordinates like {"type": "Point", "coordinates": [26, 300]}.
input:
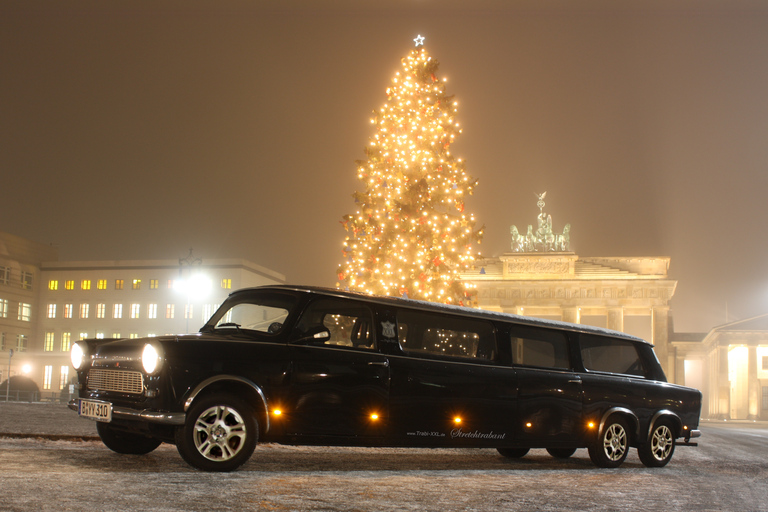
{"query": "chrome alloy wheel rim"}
{"type": "Point", "coordinates": [661, 442]}
{"type": "Point", "coordinates": [219, 433]}
{"type": "Point", "coordinates": [615, 442]}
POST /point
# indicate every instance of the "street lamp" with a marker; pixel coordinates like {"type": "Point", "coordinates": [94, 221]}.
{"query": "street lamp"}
{"type": "Point", "coordinates": [196, 286]}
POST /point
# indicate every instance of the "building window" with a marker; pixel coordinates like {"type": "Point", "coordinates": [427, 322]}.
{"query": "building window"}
{"type": "Point", "coordinates": [152, 311]}
{"type": "Point", "coordinates": [66, 341]}
{"type": "Point", "coordinates": [119, 283]}
{"type": "Point", "coordinates": [135, 308]}
{"type": "Point", "coordinates": [53, 285]}
{"type": "Point", "coordinates": [154, 284]}
{"type": "Point", "coordinates": [2, 341]}
{"type": "Point", "coordinates": [84, 310]}
{"type": "Point", "coordinates": [188, 311]}
{"type": "Point", "coordinates": [64, 377]}
{"type": "Point", "coordinates": [170, 309]}
{"type": "Point", "coordinates": [5, 275]}
{"type": "Point", "coordinates": [25, 312]}
{"type": "Point", "coordinates": [69, 284]}
{"type": "Point", "coordinates": [3, 308]}
{"type": "Point", "coordinates": [101, 284]}
{"type": "Point", "coordinates": [101, 310]}
{"type": "Point", "coordinates": [116, 335]}
{"type": "Point", "coordinates": [226, 284]}
{"type": "Point", "coordinates": [51, 310]}
{"type": "Point", "coordinates": [136, 284]}
{"type": "Point", "coordinates": [133, 336]}
{"type": "Point", "coordinates": [117, 311]}
{"type": "Point", "coordinates": [68, 310]}
{"type": "Point", "coordinates": [207, 311]}
{"type": "Point", "coordinates": [21, 342]}
{"type": "Point", "coordinates": [26, 280]}
{"type": "Point", "coordinates": [85, 284]}
{"type": "Point", "coordinates": [47, 377]}
{"type": "Point", "coordinates": [765, 362]}
{"type": "Point", "coordinates": [171, 283]}
{"type": "Point", "coordinates": [49, 338]}
{"type": "Point", "coordinates": [83, 335]}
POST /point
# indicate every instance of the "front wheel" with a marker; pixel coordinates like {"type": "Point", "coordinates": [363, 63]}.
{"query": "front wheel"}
{"type": "Point", "coordinates": [658, 450]}
{"type": "Point", "coordinates": [220, 433]}
{"type": "Point", "coordinates": [125, 442]}
{"type": "Point", "coordinates": [611, 447]}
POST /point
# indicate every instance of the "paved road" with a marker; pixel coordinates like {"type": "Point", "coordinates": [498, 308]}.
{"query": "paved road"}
{"type": "Point", "coordinates": [728, 471]}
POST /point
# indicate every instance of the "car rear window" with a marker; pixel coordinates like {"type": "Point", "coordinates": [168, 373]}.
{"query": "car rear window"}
{"type": "Point", "coordinates": [611, 355]}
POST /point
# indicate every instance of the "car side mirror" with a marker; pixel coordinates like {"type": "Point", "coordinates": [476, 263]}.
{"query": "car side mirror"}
{"type": "Point", "coordinates": [317, 335]}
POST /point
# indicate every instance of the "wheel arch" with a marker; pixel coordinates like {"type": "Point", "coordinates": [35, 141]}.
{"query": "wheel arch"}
{"type": "Point", "coordinates": [628, 415]}
{"type": "Point", "coordinates": [666, 414]}
{"type": "Point", "coordinates": [240, 386]}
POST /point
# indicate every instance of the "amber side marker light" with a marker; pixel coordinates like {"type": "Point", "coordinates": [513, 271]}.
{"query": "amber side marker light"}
{"type": "Point", "coordinates": [277, 412]}
{"type": "Point", "coordinates": [374, 416]}
{"type": "Point", "coordinates": [528, 425]}
{"type": "Point", "coordinates": [457, 420]}
{"type": "Point", "coordinates": [591, 424]}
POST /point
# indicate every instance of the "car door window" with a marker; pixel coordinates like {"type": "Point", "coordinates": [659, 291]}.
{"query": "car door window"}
{"type": "Point", "coordinates": [421, 333]}
{"type": "Point", "coordinates": [540, 347]}
{"type": "Point", "coordinates": [349, 323]}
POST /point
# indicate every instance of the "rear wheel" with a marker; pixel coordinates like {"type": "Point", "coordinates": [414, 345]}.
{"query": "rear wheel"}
{"type": "Point", "coordinates": [658, 449]}
{"type": "Point", "coordinates": [611, 447]}
{"type": "Point", "coordinates": [513, 453]}
{"type": "Point", "coordinates": [220, 433]}
{"type": "Point", "coordinates": [561, 453]}
{"type": "Point", "coordinates": [125, 442]}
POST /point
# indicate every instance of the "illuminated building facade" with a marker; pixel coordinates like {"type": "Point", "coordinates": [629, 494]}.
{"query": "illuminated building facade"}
{"type": "Point", "coordinates": [729, 364]}
{"type": "Point", "coordinates": [50, 304]}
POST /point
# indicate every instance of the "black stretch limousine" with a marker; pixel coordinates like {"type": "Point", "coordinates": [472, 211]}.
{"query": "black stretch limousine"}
{"type": "Point", "coordinates": [300, 365]}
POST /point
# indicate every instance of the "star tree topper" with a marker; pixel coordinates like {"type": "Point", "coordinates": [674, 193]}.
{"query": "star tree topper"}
{"type": "Point", "coordinates": [419, 40]}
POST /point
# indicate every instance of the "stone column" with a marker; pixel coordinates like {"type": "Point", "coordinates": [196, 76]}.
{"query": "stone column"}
{"type": "Point", "coordinates": [616, 319]}
{"type": "Point", "coordinates": [753, 385]}
{"type": "Point", "coordinates": [660, 335]}
{"type": "Point", "coordinates": [572, 315]}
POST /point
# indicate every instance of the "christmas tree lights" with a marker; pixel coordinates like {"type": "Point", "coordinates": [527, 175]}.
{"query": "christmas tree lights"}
{"type": "Point", "coordinates": [410, 235]}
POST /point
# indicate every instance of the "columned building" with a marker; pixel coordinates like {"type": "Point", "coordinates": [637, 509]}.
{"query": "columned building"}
{"type": "Point", "coordinates": [542, 277]}
{"type": "Point", "coordinates": [624, 294]}
{"type": "Point", "coordinates": [730, 367]}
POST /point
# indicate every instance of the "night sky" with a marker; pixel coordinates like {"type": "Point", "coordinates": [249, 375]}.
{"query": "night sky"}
{"type": "Point", "coordinates": [138, 129]}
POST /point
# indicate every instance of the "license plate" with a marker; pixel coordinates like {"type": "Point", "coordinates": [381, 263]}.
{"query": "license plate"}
{"type": "Point", "coordinates": [99, 411]}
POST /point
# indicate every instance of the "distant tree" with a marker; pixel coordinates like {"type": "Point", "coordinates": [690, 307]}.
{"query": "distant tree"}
{"type": "Point", "coordinates": [410, 235]}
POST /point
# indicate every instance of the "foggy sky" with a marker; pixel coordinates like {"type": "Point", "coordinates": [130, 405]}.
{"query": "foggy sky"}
{"type": "Point", "coordinates": [136, 130]}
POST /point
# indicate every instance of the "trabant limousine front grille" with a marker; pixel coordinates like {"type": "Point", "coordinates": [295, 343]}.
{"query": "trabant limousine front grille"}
{"type": "Point", "coordinates": [120, 381]}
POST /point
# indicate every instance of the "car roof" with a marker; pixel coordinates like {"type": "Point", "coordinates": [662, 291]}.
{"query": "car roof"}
{"type": "Point", "coordinates": [446, 308]}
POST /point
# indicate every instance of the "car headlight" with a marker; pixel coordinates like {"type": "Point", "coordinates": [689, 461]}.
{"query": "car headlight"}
{"type": "Point", "coordinates": [78, 355]}
{"type": "Point", "coordinates": [151, 358]}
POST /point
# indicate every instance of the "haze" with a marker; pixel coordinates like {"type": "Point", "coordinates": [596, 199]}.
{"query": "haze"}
{"type": "Point", "coordinates": [136, 130]}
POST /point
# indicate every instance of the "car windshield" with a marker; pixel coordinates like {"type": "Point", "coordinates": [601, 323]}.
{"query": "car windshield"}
{"type": "Point", "coordinates": [261, 313]}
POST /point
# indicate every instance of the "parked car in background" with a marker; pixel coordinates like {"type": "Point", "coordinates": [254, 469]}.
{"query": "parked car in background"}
{"type": "Point", "coordinates": [304, 365]}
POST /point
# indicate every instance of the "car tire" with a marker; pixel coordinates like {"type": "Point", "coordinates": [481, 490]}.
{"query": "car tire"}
{"type": "Point", "coordinates": [220, 433]}
{"type": "Point", "coordinates": [657, 451]}
{"type": "Point", "coordinates": [561, 453]}
{"type": "Point", "coordinates": [513, 453]}
{"type": "Point", "coordinates": [611, 447]}
{"type": "Point", "coordinates": [125, 442]}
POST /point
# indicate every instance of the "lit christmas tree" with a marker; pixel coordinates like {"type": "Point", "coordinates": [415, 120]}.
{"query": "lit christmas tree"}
{"type": "Point", "coordinates": [410, 236]}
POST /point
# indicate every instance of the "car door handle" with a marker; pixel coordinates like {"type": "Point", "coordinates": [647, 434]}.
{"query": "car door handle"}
{"type": "Point", "coordinates": [574, 381]}
{"type": "Point", "coordinates": [378, 363]}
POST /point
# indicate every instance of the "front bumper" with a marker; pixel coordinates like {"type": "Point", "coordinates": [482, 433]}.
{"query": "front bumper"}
{"type": "Point", "coordinates": [126, 413]}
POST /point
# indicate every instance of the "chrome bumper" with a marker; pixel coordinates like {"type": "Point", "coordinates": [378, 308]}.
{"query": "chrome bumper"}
{"type": "Point", "coordinates": [125, 413]}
